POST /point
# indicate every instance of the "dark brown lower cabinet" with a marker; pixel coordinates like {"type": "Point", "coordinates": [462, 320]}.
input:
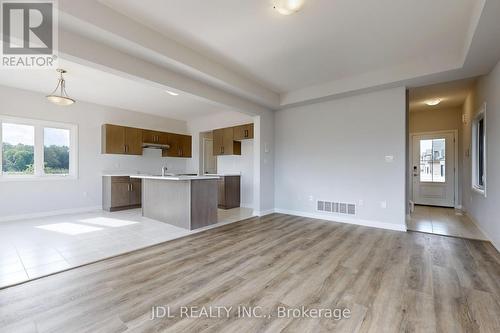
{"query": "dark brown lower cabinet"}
{"type": "Point", "coordinates": [120, 193]}
{"type": "Point", "coordinates": [229, 192]}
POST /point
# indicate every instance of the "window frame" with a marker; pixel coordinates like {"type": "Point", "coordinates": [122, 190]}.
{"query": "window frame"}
{"type": "Point", "coordinates": [476, 186]}
{"type": "Point", "coordinates": [39, 170]}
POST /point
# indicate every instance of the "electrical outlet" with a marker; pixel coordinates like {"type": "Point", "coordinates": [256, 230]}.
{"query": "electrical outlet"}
{"type": "Point", "coordinates": [311, 198]}
{"type": "Point", "coordinates": [361, 203]}
{"type": "Point", "coordinates": [383, 204]}
{"type": "Point", "coordinates": [389, 158]}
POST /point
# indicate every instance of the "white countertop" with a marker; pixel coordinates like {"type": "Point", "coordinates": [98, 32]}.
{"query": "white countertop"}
{"type": "Point", "coordinates": [174, 177]}
{"type": "Point", "coordinates": [224, 174]}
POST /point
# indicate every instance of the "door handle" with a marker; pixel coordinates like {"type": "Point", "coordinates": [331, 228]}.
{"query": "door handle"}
{"type": "Point", "coordinates": [415, 171]}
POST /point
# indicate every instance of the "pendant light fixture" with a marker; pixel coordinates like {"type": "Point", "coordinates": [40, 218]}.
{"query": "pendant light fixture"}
{"type": "Point", "coordinates": [59, 96]}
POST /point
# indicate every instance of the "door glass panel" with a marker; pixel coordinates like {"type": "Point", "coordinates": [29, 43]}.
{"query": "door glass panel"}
{"type": "Point", "coordinates": [433, 160]}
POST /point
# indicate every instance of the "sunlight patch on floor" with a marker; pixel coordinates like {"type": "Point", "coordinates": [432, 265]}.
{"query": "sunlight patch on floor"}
{"type": "Point", "coordinates": [107, 222]}
{"type": "Point", "coordinates": [69, 228]}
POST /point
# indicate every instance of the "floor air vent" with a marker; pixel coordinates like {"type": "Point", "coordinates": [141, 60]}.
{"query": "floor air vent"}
{"type": "Point", "coordinates": [336, 207]}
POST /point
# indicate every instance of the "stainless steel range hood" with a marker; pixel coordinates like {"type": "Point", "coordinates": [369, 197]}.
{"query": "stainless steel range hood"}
{"type": "Point", "coordinates": [155, 146]}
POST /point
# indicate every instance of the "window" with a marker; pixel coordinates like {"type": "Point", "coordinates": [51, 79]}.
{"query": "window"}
{"type": "Point", "coordinates": [433, 160]}
{"type": "Point", "coordinates": [18, 149]}
{"type": "Point", "coordinates": [479, 152]}
{"type": "Point", "coordinates": [33, 149]}
{"type": "Point", "coordinates": [56, 144]}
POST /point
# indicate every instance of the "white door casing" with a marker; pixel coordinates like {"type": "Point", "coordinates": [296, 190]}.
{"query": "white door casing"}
{"type": "Point", "coordinates": [434, 168]}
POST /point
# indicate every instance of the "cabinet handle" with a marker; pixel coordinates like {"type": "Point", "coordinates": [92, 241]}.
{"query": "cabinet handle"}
{"type": "Point", "coordinates": [222, 149]}
{"type": "Point", "coordinates": [126, 148]}
{"type": "Point", "coordinates": [246, 133]}
{"type": "Point", "coordinates": [131, 187]}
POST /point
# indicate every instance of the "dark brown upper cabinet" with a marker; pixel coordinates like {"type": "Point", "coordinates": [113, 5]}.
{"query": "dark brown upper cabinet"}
{"type": "Point", "coordinates": [121, 140]}
{"type": "Point", "coordinates": [186, 143]}
{"type": "Point", "coordinates": [224, 143]}
{"type": "Point", "coordinates": [243, 132]}
{"type": "Point", "coordinates": [129, 141]}
{"type": "Point", "coordinates": [149, 136]}
{"type": "Point", "coordinates": [180, 146]}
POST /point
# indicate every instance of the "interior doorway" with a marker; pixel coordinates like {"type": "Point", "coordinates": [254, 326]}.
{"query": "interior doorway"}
{"type": "Point", "coordinates": [209, 160]}
{"type": "Point", "coordinates": [438, 155]}
{"type": "Point", "coordinates": [434, 168]}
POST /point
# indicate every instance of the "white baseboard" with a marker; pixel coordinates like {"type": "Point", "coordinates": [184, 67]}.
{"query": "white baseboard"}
{"type": "Point", "coordinates": [341, 219]}
{"type": "Point", "coordinates": [496, 246]}
{"type": "Point", "coordinates": [243, 205]}
{"type": "Point", "coordinates": [49, 213]}
{"type": "Point", "coordinates": [264, 212]}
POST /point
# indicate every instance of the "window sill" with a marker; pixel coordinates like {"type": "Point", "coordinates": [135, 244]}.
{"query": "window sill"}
{"type": "Point", "coordinates": [36, 178]}
{"type": "Point", "coordinates": [479, 191]}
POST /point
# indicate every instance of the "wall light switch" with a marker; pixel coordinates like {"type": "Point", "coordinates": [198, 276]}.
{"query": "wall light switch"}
{"type": "Point", "coordinates": [266, 148]}
{"type": "Point", "coordinates": [383, 204]}
{"type": "Point", "coordinates": [389, 158]}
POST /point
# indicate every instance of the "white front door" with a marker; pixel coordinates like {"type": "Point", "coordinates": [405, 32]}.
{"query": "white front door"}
{"type": "Point", "coordinates": [433, 169]}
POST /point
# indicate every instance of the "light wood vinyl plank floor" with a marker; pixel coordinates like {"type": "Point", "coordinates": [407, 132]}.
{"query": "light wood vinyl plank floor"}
{"type": "Point", "coordinates": [391, 281]}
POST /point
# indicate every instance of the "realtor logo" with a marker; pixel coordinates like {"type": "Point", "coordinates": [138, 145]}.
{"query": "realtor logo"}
{"type": "Point", "coordinates": [29, 34]}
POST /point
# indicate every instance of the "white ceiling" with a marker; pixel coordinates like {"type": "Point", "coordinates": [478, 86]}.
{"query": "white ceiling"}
{"type": "Point", "coordinates": [91, 85]}
{"type": "Point", "coordinates": [452, 95]}
{"type": "Point", "coordinates": [327, 40]}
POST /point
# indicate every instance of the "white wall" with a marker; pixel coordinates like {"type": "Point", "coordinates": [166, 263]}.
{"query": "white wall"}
{"type": "Point", "coordinates": [336, 150]}
{"type": "Point", "coordinates": [244, 164]}
{"type": "Point", "coordinates": [484, 210]}
{"type": "Point", "coordinates": [264, 166]}
{"type": "Point", "coordinates": [30, 197]}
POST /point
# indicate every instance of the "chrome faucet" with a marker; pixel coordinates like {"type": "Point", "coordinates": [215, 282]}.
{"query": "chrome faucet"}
{"type": "Point", "coordinates": [164, 171]}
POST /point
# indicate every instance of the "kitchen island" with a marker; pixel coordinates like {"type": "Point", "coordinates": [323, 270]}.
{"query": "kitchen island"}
{"type": "Point", "coordinates": [188, 202]}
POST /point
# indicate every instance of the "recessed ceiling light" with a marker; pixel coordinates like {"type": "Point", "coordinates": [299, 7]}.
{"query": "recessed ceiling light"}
{"type": "Point", "coordinates": [434, 101]}
{"type": "Point", "coordinates": [287, 7]}
{"type": "Point", "coordinates": [172, 93]}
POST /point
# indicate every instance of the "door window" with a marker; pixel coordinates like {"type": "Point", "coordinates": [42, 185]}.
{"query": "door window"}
{"type": "Point", "coordinates": [433, 160]}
